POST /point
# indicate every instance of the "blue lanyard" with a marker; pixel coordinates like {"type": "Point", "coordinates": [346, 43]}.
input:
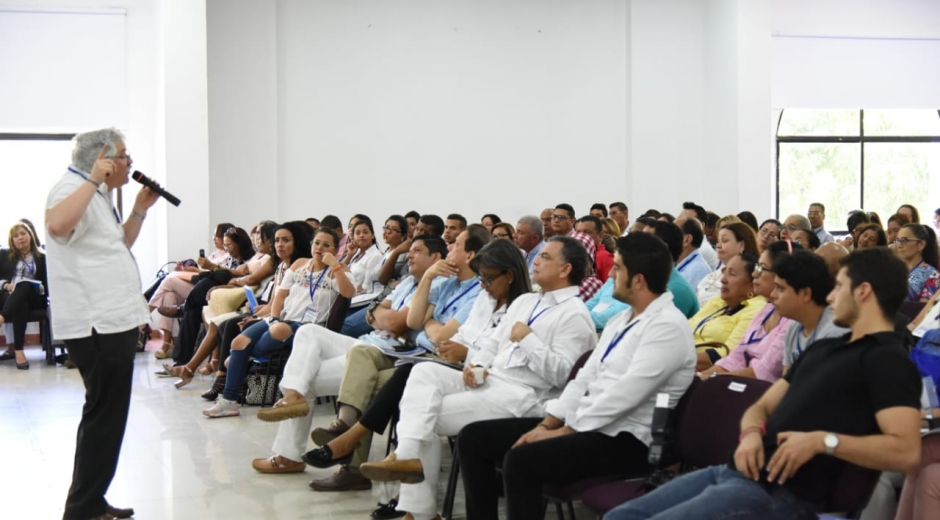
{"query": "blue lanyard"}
{"type": "Point", "coordinates": [751, 339]}
{"type": "Point", "coordinates": [799, 350]}
{"type": "Point", "coordinates": [358, 256]}
{"type": "Point", "coordinates": [710, 316]}
{"type": "Point", "coordinates": [915, 267]}
{"type": "Point", "coordinates": [685, 263]}
{"type": "Point", "coordinates": [617, 339]}
{"type": "Point", "coordinates": [314, 287]}
{"type": "Point", "coordinates": [31, 267]}
{"type": "Point", "coordinates": [84, 176]}
{"type": "Point", "coordinates": [460, 296]}
{"type": "Point", "coordinates": [402, 302]}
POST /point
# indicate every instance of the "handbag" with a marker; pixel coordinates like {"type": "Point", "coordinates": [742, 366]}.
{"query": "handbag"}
{"type": "Point", "coordinates": [256, 385]}
{"type": "Point", "coordinates": [226, 300]}
{"type": "Point", "coordinates": [157, 280]}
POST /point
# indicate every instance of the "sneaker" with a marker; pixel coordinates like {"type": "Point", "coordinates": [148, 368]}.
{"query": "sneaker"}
{"type": "Point", "coordinates": [222, 408]}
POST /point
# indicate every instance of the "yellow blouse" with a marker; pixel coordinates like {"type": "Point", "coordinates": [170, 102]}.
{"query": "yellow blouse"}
{"type": "Point", "coordinates": [712, 325]}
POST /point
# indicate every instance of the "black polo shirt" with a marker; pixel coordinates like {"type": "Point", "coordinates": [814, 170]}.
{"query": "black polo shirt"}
{"type": "Point", "coordinates": [838, 386]}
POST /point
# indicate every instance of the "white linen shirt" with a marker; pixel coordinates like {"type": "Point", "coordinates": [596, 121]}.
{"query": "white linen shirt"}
{"type": "Point", "coordinates": [481, 323]}
{"type": "Point", "coordinates": [709, 254]}
{"type": "Point", "coordinates": [298, 296]}
{"type": "Point", "coordinates": [93, 275]}
{"type": "Point", "coordinates": [365, 270]}
{"type": "Point", "coordinates": [618, 393]}
{"type": "Point", "coordinates": [541, 362]}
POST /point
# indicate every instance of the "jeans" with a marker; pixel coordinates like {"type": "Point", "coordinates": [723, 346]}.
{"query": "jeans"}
{"type": "Point", "coordinates": [717, 492]}
{"type": "Point", "coordinates": [355, 324]}
{"type": "Point", "coordinates": [261, 344]}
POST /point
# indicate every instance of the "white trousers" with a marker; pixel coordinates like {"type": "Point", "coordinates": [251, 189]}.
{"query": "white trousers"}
{"type": "Point", "coordinates": [315, 367]}
{"type": "Point", "coordinates": [436, 402]}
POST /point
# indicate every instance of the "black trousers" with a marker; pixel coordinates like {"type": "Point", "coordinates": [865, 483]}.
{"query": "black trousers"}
{"type": "Point", "coordinates": [15, 308]}
{"type": "Point", "coordinates": [481, 446]}
{"type": "Point", "coordinates": [385, 403]}
{"type": "Point", "coordinates": [185, 345]}
{"type": "Point", "coordinates": [106, 363]}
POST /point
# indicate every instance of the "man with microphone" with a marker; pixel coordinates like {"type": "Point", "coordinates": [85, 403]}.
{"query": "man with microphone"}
{"type": "Point", "coordinates": [97, 307]}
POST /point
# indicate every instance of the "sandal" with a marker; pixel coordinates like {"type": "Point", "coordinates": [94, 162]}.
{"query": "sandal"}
{"type": "Point", "coordinates": [210, 368]}
{"type": "Point", "coordinates": [167, 370]}
{"type": "Point", "coordinates": [185, 375]}
{"type": "Point", "coordinates": [216, 389]}
{"type": "Point", "coordinates": [164, 352]}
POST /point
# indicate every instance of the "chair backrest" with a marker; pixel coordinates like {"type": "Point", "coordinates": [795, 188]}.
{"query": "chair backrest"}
{"type": "Point", "coordinates": [663, 452]}
{"type": "Point", "coordinates": [912, 309]}
{"type": "Point", "coordinates": [576, 367]}
{"type": "Point", "coordinates": [338, 314]}
{"type": "Point", "coordinates": [710, 421]}
{"type": "Point", "coordinates": [853, 489]}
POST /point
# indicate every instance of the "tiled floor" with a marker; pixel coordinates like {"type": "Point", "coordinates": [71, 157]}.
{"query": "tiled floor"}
{"type": "Point", "coordinates": [175, 463]}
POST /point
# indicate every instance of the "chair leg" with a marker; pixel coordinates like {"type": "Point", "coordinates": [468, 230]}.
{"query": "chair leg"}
{"type": "Point", "coordinates": [559, 511]}
{"type": "Point", "coordinates": [571, 510]}
{"type": "Point", "coordinates": [449, 496]}
{"type": "Point", "coordinates": [45, 338]}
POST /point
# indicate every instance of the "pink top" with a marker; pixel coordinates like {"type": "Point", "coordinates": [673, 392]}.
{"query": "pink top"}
{"type": "Point", "coordinates": [257, 261]}
{"type": "Point", "coordinates": [760, 350]}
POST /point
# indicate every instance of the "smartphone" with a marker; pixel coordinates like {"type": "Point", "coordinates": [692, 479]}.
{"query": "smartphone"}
{"type": "Point", "coordinates": [202, 253]}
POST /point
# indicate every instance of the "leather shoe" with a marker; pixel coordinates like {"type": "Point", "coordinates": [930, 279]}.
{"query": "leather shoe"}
{"type": "Point", "coordinates": [407, 471]}
{"type": "Point", "coordinates": [387, 511]}
{"type": "Point", "coordinates": [103, 516]}
{"type": "Point", "coordinates": [323, 436]}
{"type": "Point", "coordinates": [6, 356]}
{"type": "Point", "coordinates": [271, 465]}
{"type": "Point", "coordinates": [171, 311]}
{"type": "Point", "coordinates": [118, 512]}
{"type": "Point", "coordinates": [346, 479]}
{"type": "Point", "coordinates": [322, 457]}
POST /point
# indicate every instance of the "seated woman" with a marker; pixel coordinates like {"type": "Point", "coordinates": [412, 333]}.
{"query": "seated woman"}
{"type": "Point", "coordinates": [872, 236]}
{"type": "Point", "coordinates": [504, 276]}
{"type": "Point", "coordinates": [910, 212]}
{"type": "Point", "coordinates": [395, 259]}
{"type": "Point", "coordinates": [611, 233]}
{"type": "Point", "coordinates": [917, 246]}
{"type": "Point", "coordinates": [177, 285]}
{"type": "Point", "coordinates": [759, 354]}
{"type": "Point", "coordinates": [805, 238]}
{"type": "Point", "coordinates": [305, 295]}
{"type": "Point", "coordinates": [291, 243]}
{"type": "Point", "coordinates": [920, 496]}
{"type": "Point", "coordinates": [489, 220]}
{"type": "Point", "coordinates": [238, 244]}
{"type": "Point", "coordinates": [856, 221]}
{"type": "Point", "coordinates": [260, 267]}
{"type": "Point", "coordinates": [603, 306]}
{"type": "Point", "coordinates": [503, 230]}
{"type": "Point", "coordinates": [895, 222]}
{"type": "Point", "coordinates": [768, 233]}
{"type": "Point", "coordinates": [363, 258]}
{"type": "Point", "coordinates": [23, 287]}
{"type": "Point", "coordinates": [734, 238]}
{"type": "Point", "coordinates": [720, 325]}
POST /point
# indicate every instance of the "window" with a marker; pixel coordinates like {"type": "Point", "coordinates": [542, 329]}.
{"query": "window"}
{"type": "Point", "coordinates": [853, 159]}
{"type": "Point", "coordinates": [33, 162]}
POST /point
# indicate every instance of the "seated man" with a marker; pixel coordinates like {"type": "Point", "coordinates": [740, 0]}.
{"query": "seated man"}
{"type": "Point", "coordinates": [683, 293]}
{"type": "Point", "coordinates": [693, 210]}
{"type": "Point", "coordinates": [528, 238]}
{"type": "Point", "coordinates": [601, 423]}
{"type": "Point", "coordinates": [691, 265]}
{"type": "Point", "coordinates": [852, 399]}
{"type": "Point", "coordinates": [793, 223]}
{"type": "Point", "coordinates": [453, 226]}
{"type": "Point", "coordinates": [319, 355]}
{"type": "Point", "coordinates": [441, 302]}
{"type": "Point", "coordinates": [527, 361]}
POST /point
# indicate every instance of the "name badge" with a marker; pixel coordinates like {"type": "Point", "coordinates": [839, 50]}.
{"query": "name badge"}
{"type": "Point", "coordinates": [310, 315]}
{"type": "Point", "coordinates": [601, 307]}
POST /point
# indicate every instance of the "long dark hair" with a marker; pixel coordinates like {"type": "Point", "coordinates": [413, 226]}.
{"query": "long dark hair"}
{"type": "Point", "coordinates": [503, 255]}
{"type": "Point", "coordinates": [242, 240]}
{"type": "Point", "coordinates": [363, 220]}
{"type": "Point", "coordinates": [301, 233]}
{"type": "Point", "coordinates": [930, 253]}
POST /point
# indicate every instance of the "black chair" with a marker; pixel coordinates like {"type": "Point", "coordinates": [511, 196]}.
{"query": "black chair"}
{"type": "Point", "coordinates": [41, 316]}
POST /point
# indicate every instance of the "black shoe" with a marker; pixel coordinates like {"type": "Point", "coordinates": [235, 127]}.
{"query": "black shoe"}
{"type": "Point", "coordinates": [323, 458]}
{"type": "Point", "coordinates": [216, 389]}
{"type": "Point", "coordinates": [387, 511]}
{"type": "Point", "coordinates": [6, 356]}
{"type": "Point", "coordinates": [22, 366]}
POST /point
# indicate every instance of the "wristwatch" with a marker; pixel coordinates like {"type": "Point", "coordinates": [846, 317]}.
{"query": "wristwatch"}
{"type": "Point", "coordinates": [832, 442]}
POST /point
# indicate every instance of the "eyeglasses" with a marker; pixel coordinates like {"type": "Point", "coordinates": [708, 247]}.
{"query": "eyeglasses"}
{"type": "Point", "coordinates": [486, 282]}
{"type": "Point", "coordinates": [903, 241]}
{"type": "Point", "coordinates": [791, 227]}
{"type": "Point", "coordinates": [560, 217]}
{"type": "Point", "coordinates": [813, 213]}
{"type": "Point", "coordinates": [759, 270]}
{"type": "Point", "coordinates": [768, 233]}
{"type": "Point", "coordinates": [392, 229]}
{"type": "Point", "coordinates": [501, 235]}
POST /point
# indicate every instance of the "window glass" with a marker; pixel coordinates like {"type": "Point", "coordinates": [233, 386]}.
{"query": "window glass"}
{"type": "Point", "coordinates": [804, 122]}
{"type": "Point", "coordinates": [34, 166]}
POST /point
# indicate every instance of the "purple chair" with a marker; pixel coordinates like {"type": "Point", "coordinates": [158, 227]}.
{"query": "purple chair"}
{"type": "Point", "coordinates": [853, 489]}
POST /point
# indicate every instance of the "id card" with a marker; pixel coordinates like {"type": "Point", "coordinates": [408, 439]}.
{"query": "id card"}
{"type": "Point", "coordinates": [517, 357]}
{"type": "Point", "coordinates": [310, 315]}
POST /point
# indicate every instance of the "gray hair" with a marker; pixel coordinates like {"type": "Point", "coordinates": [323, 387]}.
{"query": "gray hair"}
{"type": "Point", "coordinates": [88, 145]}
{"type": "Point", "coordinates": [534, 223]}
{"type": "Point", "coordinates": [804, 222]}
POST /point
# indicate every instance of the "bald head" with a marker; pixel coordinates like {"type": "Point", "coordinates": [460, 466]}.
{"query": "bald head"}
{"type": "Point", "coordinates": [832, 253]}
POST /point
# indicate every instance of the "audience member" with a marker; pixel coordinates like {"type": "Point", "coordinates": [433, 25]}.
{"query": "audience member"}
{"type": "Point", "coordinates": [429, 224]}
{"type": "Point", "coordinates": [488, 221]}
{"type": "Point", "coordinates": [600, 424]}
{"type": "Point", "coordinates": [895, 222]}
{"type": "Point", "coordinates": [874, 218]}
{"type": "Point", "coordinates": [720, 324]}
{"type": "Point", "coordinates": [734, 238]}
{"type": "Point", "coordinates": [817, 220]}
{"type": "Point", "coordinates": [603, 260]}
{"type": "Point", "coordinates": [621, 214]}
{"type": "Point", "coordinates": [768, 233]}
{"type": "Point", "coordinates": [712, 225]}
{"type": "Point", "coordinates": [503, 231]}
{"type": "Point", "coordinates": [910, 212]}
{"type": "Point", "coordinates": [936, 220]}
{"type": "Point", "coordinates": [666, 217]}
{"type": "Point", "coordinates": [793, 223]}
{"type": "Point", "coordinates": [528, 238]}
{"type": "Point", "coordinates": [611, 233]}
{"type": "Point", "coordinates": [529, 357]}
{"type": "Point", "coordinates": [313, 223]}
{"type": "Point", "coordinates": [346, 239]}
{"type": "Point", "coordinates": [456, 223]}
{"type": "Point", "coordinates": [920, 496]}
{"type": "Point", "coordinates": [856, 221]}
{"type": "Point", "coordinates": [872, 236]}
{"type": "Point", "coordinates": [23, 286]}
{"type": "Point", "coordinates": [691, 265]}
{"type": "Point", "coordinates": [807, 239]}
{"type": "Point", "coordinates": [748, 218]}
{"type": "Point", "coordinates": [412, 217]}
{"type": "Point", "coordinates": [640, 225]}
{"type": "Point", "coordinates": [832, 253]}
{"type": "Point", "coordinates": [852, 399]}
{"type": "Point", "coordinates": [363, 257]}
{"type": "Point", "coordinates": [546, 216]}
{"type": "Point", "coordinates": [598, 210]}
{"type": "Point", "coordinates": [916, 245]}
{"type": "Point", "coordinates": [759, 354]}
{"type": "Point", "coordinates": [707, 250]}
{"type": "Point", "coordinates": [563, 221]}
{"type": "Point", "coordinates": [683, 294]}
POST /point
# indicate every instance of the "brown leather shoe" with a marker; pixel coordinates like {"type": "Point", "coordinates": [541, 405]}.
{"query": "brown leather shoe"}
{"type": "Point", "coordinates": [171, 311]}
{"type": "Point", "coordinates": [118, 512]}
{"type": "Point", "coordinates": [407, 471]}
{"type": "Point", "coordinates": [271, 465]}
{"type": "Point", "coordinates": [283, 412]}
{"type": "Point", "coordinates": [346, 479]}
{"type": "Point", "coordinates": [323, 436]}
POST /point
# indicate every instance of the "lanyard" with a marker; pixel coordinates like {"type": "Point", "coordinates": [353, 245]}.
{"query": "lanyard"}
{"type": "Point", "coordinates": [915, 267]}
{"type": "Point", "coordinates": [710, 316]}
{"type": "Point", "coordinates": [617, 339]}
{"type": "Point", "coordinates": [752, 339]}
{"type": "Point", "coordinates": [799, 336]}
{"type": "Point", "coordinates": [31, 267]}
{"type": "Point", "coordinates": [460, 296]}
{"type": "Point", "coordinates": [536, 316]}
{"type": "Point", "coordinates": [358, 256]}
{"type": "Point", "coordinates": [685, 263]}
{"type": "Point", "coordinates": [87, 178]}
{"type": "Point", "coordinates": [402, 302]}
{"type": "Point", "coordinates": [314, 287]}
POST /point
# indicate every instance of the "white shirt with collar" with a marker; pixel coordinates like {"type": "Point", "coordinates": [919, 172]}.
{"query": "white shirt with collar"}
{"type": "Point", "coordinates": [709, 254]}
{"type": "Point", "coordinates": [538, 366]}
{"type": "Point", "coordinates": [92, 273]}
{"type": "Point", "coordinates": [364, 270]}
{"type": "Point", "coordinates": [616, 389]}
{"type": "Point", "coordinates": [481, 323]}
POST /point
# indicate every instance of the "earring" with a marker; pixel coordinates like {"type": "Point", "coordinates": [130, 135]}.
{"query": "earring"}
{"type": "Point", "coordinates": [750, 294]}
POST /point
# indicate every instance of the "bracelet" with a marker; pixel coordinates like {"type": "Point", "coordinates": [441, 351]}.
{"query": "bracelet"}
{"type": "Point", "coordinates": [138, 216]}
{"type": "Point", "coordinates": [96, 183]}
{"type": "Point", "coordinates": [761, 429]}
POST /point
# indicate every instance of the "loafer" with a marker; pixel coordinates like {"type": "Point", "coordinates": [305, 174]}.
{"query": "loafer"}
{"type": "Point", "coordinates": [118, 512]}
{"type": "Point", "coordinates": [281, 412]}
{"type": "Point", "coordinates": [407, 471]}
{"type": "Point", "coordinates": [323, 458]}
{"type": "Point", "coordinates": [323, 436]}
{"type": "Point", "coordinates": [271, 465]}
{"type": "Point", "coordinates": [6, 356]}
{"type": "Point", "coordinates": [387, 511]}
{"type": "Point", "coordinates": [345, 479]}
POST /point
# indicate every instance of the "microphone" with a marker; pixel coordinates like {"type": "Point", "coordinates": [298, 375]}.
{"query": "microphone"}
{"type": "Point", "coordinates": [148, 182]}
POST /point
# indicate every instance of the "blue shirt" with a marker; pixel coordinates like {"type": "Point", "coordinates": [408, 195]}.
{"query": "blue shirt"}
{"type": "Point", "coordinates": [532, 255]}
{"type": "Point", "coordinates": [693, 268]}
{"type": "Point", "coordinates": [603, 306]}
{"type": "Point", "coordinates": [683, 294]}
{"type": "Point", "coordinates": [454, 300]}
